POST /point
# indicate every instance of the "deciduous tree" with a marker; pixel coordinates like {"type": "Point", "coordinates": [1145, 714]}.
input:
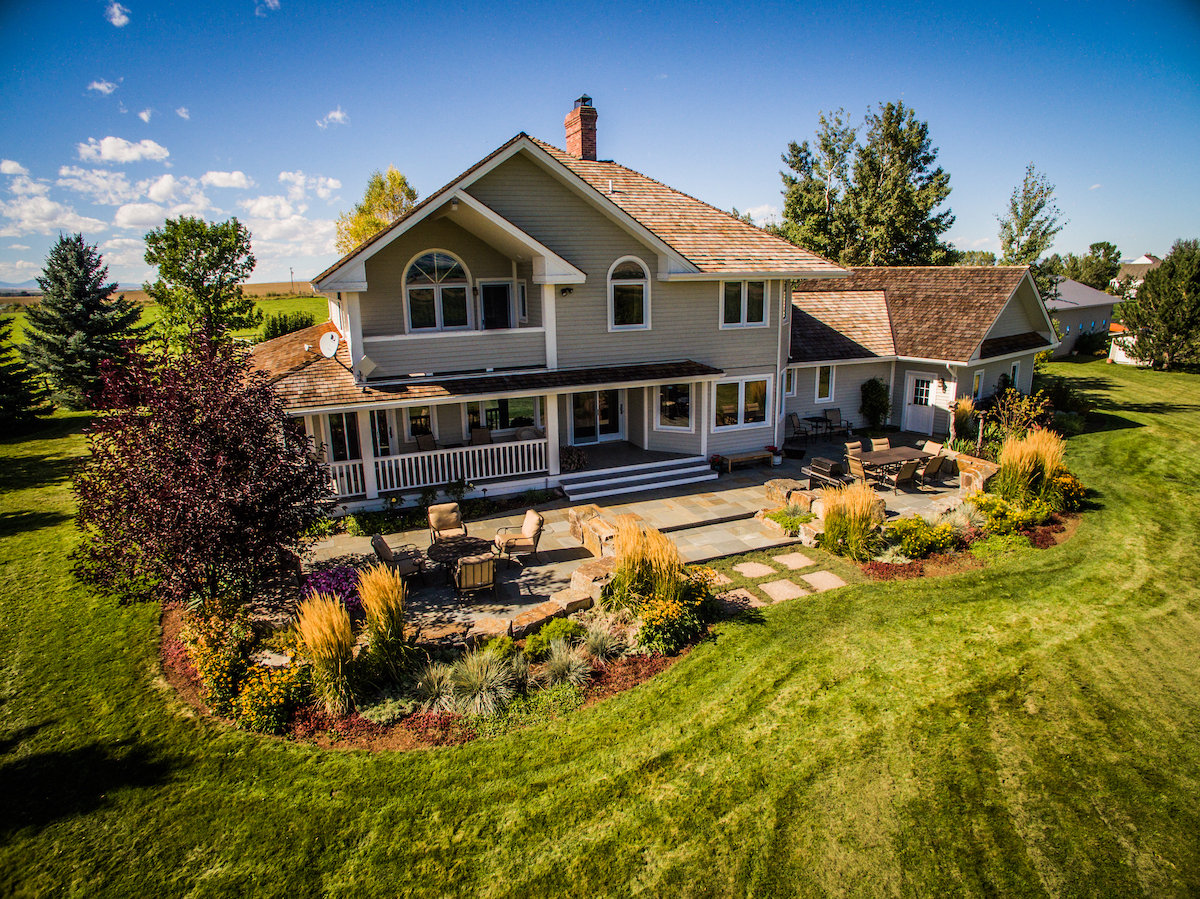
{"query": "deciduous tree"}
{"type": "Point", "coordinates": [1028, 228]}
{"type": "Point", "coordinates": [201, 269]}
{"type": "Point", "coordinates": [388, 197]}
{"type": "Point", "coordinates": [196, 484]}
{"type": "Point", "coordinates": [815, 214]}
{"type": "Point", "coordinates": [78, 324]}
{"type": "Point", "coordinates": [1096, 268]}
{"type": "Point", "coordinates": [974, 257]}
{"type": "Point", "coordinates": [1164, 315]}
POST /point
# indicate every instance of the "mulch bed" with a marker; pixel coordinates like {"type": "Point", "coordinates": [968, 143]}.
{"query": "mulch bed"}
{"type": "Point", "coordinates": [626, 673]}
{"type": "Point", "coordinates": [176, 666]}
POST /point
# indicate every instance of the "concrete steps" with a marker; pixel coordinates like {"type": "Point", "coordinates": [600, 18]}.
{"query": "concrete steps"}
{"type": "Point", "coordinates": [589, 485]}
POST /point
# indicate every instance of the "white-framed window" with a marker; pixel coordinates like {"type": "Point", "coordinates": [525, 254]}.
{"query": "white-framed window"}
{"type": "Point", "coordinates": [825, 377]}
{"type": "Point", "coordinates": [741, 404]}
{"type": "Point", "coordinates": [503, 415]}
{"type": "Point", "coordinates": [417, 421]}
{"type": "Point", "coordinates": [673, 409]}
{"type": "Point", "coordinates": [790, 382]}
{"type": "Point", "coordinates": [743, 304]}
{"type": "Point", "coordinates": [1014, 373]}
{"type": "Point", "coordinates": [628, 295]}
{"type": "Point", "coordinates": [383, 436]}
{"type": "Point", "coordinates": [977, 385]}
{"type": "Point", "coordinates": [437, 291]}
{"type": "Point", "coordinates": [522, 301]}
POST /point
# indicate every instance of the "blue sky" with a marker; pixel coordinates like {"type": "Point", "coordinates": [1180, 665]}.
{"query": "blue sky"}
{"type": "Point", "coordinates": [118, 114]}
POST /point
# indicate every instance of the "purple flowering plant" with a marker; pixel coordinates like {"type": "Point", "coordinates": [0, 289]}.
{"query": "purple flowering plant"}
{"type": "Point", "coordinates": [341, 582]}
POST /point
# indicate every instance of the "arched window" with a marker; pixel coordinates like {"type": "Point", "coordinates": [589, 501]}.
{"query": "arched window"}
{"type": "Point", "coordinates": [628, 295]}
{"type": "Point", "coordinates": [438, 289]}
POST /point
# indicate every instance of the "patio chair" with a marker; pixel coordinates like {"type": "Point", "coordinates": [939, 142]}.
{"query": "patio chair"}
{"type": "Point", "coordinates": [858, 471]}
{"type": "Point", "coordinates": [837, 424]}
{"type": "Point", "coordinates": [799, 428]}
{"type": "Point", "coordinates": [405, 560]}
{"type": "Point", "coordinates": [930, 447]}
{"type": "Point", "coordinates": [904, 475]}
{"type": "Point", "coordinates": [931, 470]}
{"type": "Point", "coordinates": [880, 443]}
{"type": "Point", "coordinates": [474, 573]}
{"type": "Point", "coordinates": [426, 443]}
{"type": "Point", "coordinates": [521, 540]}
{"type": "Point", "coordinates": [853, 449]}
{"type": "Point", "coordinates": [480, 436]}
{"type": "Point", "coordinates": [445, 522]}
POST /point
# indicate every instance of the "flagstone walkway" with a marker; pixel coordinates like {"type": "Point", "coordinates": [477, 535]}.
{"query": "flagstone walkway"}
{"type": "Point", "coordinates": [793, 585]}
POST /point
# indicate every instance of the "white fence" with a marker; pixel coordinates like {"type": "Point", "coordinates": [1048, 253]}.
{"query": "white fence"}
{"type": "Point", "coordinates": [348, 478]}
{"type": "Point", "coordinates": [412, 471]}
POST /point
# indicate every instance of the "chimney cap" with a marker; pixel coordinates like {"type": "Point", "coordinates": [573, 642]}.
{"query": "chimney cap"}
{"type": "Point", "coordinates": [585, 100]}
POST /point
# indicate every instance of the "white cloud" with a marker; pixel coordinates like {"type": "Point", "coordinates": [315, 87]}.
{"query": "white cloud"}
{"type": "Point", "coordinates": [262, 6]}
{"type": "Point", "coordinates": [18, 246]}
{"type": "Point", "coordinates": [24, 186]}
{"type": "Point", "coordinates": [237, 179]}
{"type": "Point", "coordinates": [117, 14]}
{"type": "Point", "coordinates": [37, 214]}
{"type": "Point", "coordinates": [1094, 187]}
{"type": "Point", "coordinates": [9, 167]}
{"type": "Point", "coordinates": [139, 215]}
{"type": "Point", "coordinates": [326, 186]}
{"type": "Point", "coordinates": [334, 117]}
{"type": "Point", "coordinates": [101, 185]}
{"type": "Point", "coordinates": [103, 87]}
{"type": "Point", "coordinates": [764, 214]}
{"type": "Point", "coordinates": [288, 238]}
{"type": "Point", "coordinates": [124, 251]}
{"type": "Point", "coordinates": [183, 113]}
{"type": "Point", "coordinates": [19, 270]}
{"type": "Point", "coordinates": [117, 149]}
{"type": "Point", "coordinates": [299, 184]}
{"type": "Point", "coordinates": [271, 207]}
{"type": "Point", "coordinates": [145, 114]}
{"type": "Point", "coordinates": [161, 189]}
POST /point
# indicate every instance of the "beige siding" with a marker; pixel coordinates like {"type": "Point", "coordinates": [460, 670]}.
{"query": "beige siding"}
{"type": "Point", "coordinates": [1020, 315]}
{"type": "Point", "coordinates": [847, 390]}
{"type": "Point", "coordinates": [942, 396]}
{"type": "Point", "coordinates": [674, 441]}
{"type": "Point", "coordinates": [992, 372]}
{"type": "Point", "coordinates": [683, 316]}
{"type": "Point", "coordinates": [458, 351]}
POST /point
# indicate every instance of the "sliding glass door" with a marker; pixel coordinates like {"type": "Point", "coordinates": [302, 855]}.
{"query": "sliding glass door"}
{"type": "Point", "coordinates": [597, 415]}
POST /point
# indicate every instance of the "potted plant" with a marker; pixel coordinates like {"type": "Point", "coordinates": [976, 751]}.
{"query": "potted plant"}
{"type": "Point", "coordinates": [717, 461]}
{"type": "Point", "coordinates": [776, 454]}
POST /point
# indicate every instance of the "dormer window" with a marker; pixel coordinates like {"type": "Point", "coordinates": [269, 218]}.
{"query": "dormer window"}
{"type": "Point", "coordinates": [628, 295]}
{"type": "Point", "coordinates": [437, 289]}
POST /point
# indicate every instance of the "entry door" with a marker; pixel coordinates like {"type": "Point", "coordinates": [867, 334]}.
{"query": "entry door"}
{"type": "Point", "coordinates": [597, 415]}
{"type": "Point", "coordinates": [918, 402]}
{"type": "Point", "coordinates": [496, 300]}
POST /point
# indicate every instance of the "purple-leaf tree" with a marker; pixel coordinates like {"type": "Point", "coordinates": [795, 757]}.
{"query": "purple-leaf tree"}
{"type": "Point", "coordinates": [197, 484]}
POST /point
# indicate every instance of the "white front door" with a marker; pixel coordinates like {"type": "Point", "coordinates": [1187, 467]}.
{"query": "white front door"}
{"type": "Point", "coordinates": [918, 402]}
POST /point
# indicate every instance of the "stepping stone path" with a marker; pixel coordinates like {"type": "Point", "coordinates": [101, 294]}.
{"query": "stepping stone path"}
{"type": "Point", "coordinates": [782, 589]}
{"type": "Point", "coordinates": [823, 580]}
{"type": "Point", "coordinates": [720, 580]}
{"type": "Point", "coordinates": [735, 601]}
{"type": "Point", "coordinates": [794, 560]}
{"type": "Point", "coordinates": [753, 569]}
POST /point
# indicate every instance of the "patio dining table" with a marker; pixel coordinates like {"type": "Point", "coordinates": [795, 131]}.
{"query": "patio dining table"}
{"type": "Point", "coordinates": [893, 457]}
{"type": "Point", "coordinates": [447, 552]}
{"type": "Point", "coordinates": [821, 424]}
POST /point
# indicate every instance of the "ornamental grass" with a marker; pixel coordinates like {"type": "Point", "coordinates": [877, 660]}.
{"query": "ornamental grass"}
{"type": "Point", "coordinates": [1027, 468]}
{"type": "Point", "coordinates": [382, 592]}
{"type": "Point", "coordinates": [852, 514]}
{"type": "Point", "coordinates": [648, 564]}
{"type": "Point", "coordinates": [964, 417]}
{"type": "Point", "coordinates": [324, 627]}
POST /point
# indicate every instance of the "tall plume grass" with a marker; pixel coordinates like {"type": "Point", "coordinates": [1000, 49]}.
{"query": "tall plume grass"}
{"type": "Point", "coordinates": [648, 564]}
{"type": "Point", "coordinates": [1028, 465]}
{"type": "Point", "coordinates": [324, 627]}
{"type": "Point", "coordinates": [851, 515]}
{"type": "Point", "coordinates": [964, 417]}
{"type": "Point", "coordinates": [382, 592]}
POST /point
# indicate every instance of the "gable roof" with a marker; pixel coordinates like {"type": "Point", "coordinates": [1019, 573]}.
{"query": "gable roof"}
{"type": "Point", "coordinates": [1073, 295]}
{"type": "Point", "coordinates": [709, 240]}
{"type": "Point", "coordinates": [933, 312]}
{"type": "Point", "coordinates": [834, 325]}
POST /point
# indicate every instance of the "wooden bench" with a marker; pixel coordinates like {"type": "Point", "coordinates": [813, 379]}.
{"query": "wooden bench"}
{"type": "Point", "coordinates": [745, 458]}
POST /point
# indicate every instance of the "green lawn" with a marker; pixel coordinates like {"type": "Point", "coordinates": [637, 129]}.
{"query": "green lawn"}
{"type": "Point", "coordinates": [318, 307]}
{"type": "Point", "coordinates": [1028, 729]}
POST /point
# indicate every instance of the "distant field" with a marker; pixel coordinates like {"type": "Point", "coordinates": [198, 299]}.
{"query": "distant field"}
{"type": "Point", "coordinates": [263, 289]}
{"type": "Point", "coordinates": [315, 306]}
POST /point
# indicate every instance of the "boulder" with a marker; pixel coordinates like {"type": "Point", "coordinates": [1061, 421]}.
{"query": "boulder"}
{"type": "Point", "coordinates": [578, 516]}
{"type": "Point", "coordinates": [808, 533]}
{"type": "Point", "coordinates": [486, 628]}
{"type": "Point", "coordinates": [974, 474]}
{"type": "Point", "coordinates": [779, 488]}
{"type": "Point", "coordinates": [572, 600]}
{"type": "Point", "coordinates": [803, 498]}
{"type": "Point", "coordinates": [534, 619]}
{"type": "Point", "coordinates": [591, 577]}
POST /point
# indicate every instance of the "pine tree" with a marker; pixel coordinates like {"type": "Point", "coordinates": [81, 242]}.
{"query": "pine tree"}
{"type": "Point", "coordinates": [21, 398]}
{"type": "Point", "coordinates": [77, 325]}
{"type": "Point", "coordinates": [1163, 314]}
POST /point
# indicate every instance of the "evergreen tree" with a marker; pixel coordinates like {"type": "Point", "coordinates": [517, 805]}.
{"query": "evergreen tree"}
{"type": "Point", "coordinates": [388, 197]}
{"type": "Point", "coordinates": [1096, 268]}
{"type": "Point", "coordinates": [1164, 313]}
{"type": "Point", "coordinates": [1028, 230]}
{"type": "Point", "coordinates": [201, 268]}
{"type": "Point", "coordinates": [21, 397]}
{"type": "Point", "coordinates": [77, 325]}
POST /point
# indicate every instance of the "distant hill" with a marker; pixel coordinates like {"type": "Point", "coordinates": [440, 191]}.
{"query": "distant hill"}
{"type": "Point", "coordinates": [24, 285]}
{"type": "Point", "coordinates": [135, 292]}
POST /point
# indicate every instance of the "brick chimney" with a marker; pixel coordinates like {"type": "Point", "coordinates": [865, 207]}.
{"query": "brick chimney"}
{"type": "Point", "coordinates": [581, 129]}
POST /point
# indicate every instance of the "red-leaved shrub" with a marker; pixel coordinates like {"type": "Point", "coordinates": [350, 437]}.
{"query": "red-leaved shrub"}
{"type": "Point", "coordinates": [312, 721]}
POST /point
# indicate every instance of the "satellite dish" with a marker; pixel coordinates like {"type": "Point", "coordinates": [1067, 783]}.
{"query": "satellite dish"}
{"type": "Point", "coordinates": [366, 365]}
{"type": "Point", "coordinates": [329, 344]}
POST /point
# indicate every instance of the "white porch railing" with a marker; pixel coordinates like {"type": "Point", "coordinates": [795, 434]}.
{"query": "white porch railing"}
{"type": "Point", "coordinates": [348, 478]}
{"type": "Point", "coordinates": [411, 471]}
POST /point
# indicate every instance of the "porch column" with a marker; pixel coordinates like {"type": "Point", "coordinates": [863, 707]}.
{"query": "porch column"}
{"type": "Point", "coordinates": [367, 445]}
{"type": "Point", "coordinates": [704, 419]}
{"type": "Point", "coordinates": [551, 402]}
{"type": "Point", "coordinates": [550, 323]}
{"type": "Point", "coordinates": [891, 391]}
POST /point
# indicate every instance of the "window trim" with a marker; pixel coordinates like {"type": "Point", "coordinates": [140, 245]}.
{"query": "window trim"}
{"type": "Point", "coordinates": [817, 398]}
{"type": "Point", "coordinates": [469, 285]}
{"type": "Point", "coordinates": [645, 284]}
{"type": "Point", "coordinates": [1014, 374]}
{"type": "Point", "coordinates": [405, 423]}
{"type": "Point", "coordinates": [742, 322]}
{"type": "Point", "coordinates": [791, 373]}
{"type": "Point", "coordinates": [675, 429]}
{"type": "Point", "coordinates": [513, 316]}
{"type": "Point", "coordinates": [538, 414]}
{"type": "Point", "coordinates": [977, 385]}
{"type": "Point", "coordinates": [522, 293]}
{"type": "Point", "coordinates": [348, 419]}
{"type": "Point", "coordinates": [768, 398]}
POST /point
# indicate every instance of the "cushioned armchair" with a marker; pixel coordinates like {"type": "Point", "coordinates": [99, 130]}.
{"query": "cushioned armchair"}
{"type": "Point", "coordinates": [405, 560]}
{"type": "Point", "coordinates": [473, 573]}
{"type": "Point", "coordinates": [512, 541]}
{"type": "Point", "coordinates": [445, 522]}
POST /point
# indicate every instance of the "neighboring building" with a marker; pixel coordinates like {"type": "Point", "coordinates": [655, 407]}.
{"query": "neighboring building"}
{"type": "Point", "coordinates": [934, 333]}
{"type": "Point", "coordinates": [1079, 309]}
{"type": "Point", "coordinates": [1136, 271]}
{"type": "Point", "coordinates": [1121, 345]}
{"type": "Point", "coordinates": [546, 299]}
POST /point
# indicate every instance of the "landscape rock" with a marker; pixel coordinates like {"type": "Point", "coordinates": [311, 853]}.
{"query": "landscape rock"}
{"type": "Point", "coordinates": [778, 490]}
{"type": "Point", "coordinates": [572, 600]}
{"type": "Point", "coordinates": [488, 627]}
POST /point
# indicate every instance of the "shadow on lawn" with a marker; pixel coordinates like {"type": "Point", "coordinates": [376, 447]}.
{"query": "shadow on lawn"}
{"type": "Point", "coordinates": [22, 522]}
{"type": "Point", "coordinates": [1106, 421]}
{"type": "Point", "coordinates": [37, 790]}
{"type": "Point", "coordinates": [34, 472]}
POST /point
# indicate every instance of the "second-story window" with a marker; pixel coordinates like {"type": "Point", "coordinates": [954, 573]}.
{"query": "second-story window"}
{"type": "Point", "coordinates": [743, 304]}
{"type": "Point", "coordinates": [437, 289]}
{"type": "Point", "coordinates": [628, 295]}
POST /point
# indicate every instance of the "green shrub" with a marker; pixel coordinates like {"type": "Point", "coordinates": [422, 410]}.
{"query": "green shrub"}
{"type": "Point", "coordinates": [1002, 517]}
{"type": "Point", "coordinates": [268, 697]}
{"type": "Point", "coordinates": [917, 538]}
{"type": "Point", "coordinates": [876, 402]}
{"type": "Point", "coordinates": [1070, 491]}
{"type": "Point", "coordinates": [538, 644]}
{"type": "Point", "coordinates": [565, 665]}
{"type": "Point", "coordinates": [279, 323]}
{"type": "Point", "coordinates": [389, 707]}
{"type": "Point", "coordinates": [790, 519]}
{"type": "Point", "coordinates": [504, 647]}
{"type": "Point", "coordinates": [667, 625]}
{"type": "Point", "coordinates": [319, 529]}
{"type": "Point", "coordinates": [219, 648]}
{"type": "Point", "coordinates": [999, 545]}
{"type": "Point", "coordinates": [1092, 343]}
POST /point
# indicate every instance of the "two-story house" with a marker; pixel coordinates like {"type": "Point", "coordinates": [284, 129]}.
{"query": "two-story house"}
{"type": "Point", "coordinates": [546, 299]}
